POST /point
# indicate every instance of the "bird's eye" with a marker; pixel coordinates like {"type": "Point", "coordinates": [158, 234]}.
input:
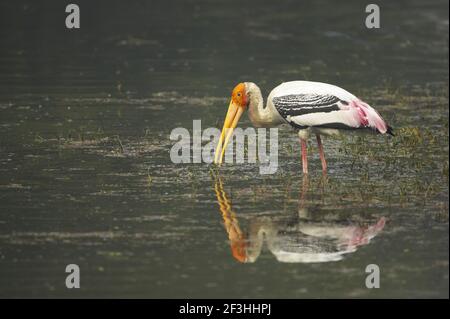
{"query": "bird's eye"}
{"type": "Point", "coordinates": [239, 94]}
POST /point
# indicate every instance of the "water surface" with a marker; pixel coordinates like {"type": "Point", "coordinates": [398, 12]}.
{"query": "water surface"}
{"type": "Point", "coordinates": [86, 177]}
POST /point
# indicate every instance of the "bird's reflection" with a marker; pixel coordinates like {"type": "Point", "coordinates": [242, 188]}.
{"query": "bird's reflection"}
{"type": "Point", "coordinates": [303, 238]}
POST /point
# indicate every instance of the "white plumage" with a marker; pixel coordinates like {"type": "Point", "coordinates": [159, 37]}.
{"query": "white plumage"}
{"type": "Point", "coordinates": [308, 87]}
{"type": "Point", "coordinates": [310, 107]}
{"type": "Point", "coordinates": [347, 115]}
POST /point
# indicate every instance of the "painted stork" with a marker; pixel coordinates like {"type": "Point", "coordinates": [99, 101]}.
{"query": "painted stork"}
{"type": "Point", "coordinates": [295, 239]}
{"type": "Point", "coordinates": [309, 107]}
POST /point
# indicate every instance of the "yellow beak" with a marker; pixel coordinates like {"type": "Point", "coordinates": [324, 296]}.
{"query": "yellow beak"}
{"type": "Point", "coordinates": [234, 113]}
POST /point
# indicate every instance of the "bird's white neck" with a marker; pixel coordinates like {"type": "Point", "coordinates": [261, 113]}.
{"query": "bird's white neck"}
{"type": "Point", "coordinates": [259, 115]}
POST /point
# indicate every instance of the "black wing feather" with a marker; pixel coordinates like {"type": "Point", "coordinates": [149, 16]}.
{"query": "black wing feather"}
{"type": "Point", "coordinates": [300, 104]}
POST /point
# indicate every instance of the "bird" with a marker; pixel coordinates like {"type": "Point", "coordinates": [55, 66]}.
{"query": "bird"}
{"type": "Point", "coordinates": [309, 107]}
{"type": "Point", "coordinates": [304, 237]}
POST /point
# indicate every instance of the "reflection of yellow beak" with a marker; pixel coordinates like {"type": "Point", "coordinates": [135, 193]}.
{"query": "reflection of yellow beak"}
{"type": "Point", "coordinates": [233, 115]}
{"type": "Point", "coordinates": [237, 239]}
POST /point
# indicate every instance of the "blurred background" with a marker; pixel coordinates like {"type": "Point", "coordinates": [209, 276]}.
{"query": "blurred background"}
{"type": "Point", "coordinates": [86, 177]}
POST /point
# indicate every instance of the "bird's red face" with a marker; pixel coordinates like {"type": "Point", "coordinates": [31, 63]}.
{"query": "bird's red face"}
{"type": "Point", "coordinates": [238, 104]}
{"type": "Point", "coordinates": [239, 96]}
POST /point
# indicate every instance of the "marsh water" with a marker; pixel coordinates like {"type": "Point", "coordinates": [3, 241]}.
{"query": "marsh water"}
{"type": "Point", "coordinates": [86, 177]}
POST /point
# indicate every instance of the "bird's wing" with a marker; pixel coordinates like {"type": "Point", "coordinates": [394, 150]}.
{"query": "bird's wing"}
{"type": "Point", "coordinates": [293, 107]}
{"type": "Point", "coordinates": [328, 111]}
{"type": "Point", "coordinates": [313, 104]}
{"type": "Point", "coordinates": [299, 104]}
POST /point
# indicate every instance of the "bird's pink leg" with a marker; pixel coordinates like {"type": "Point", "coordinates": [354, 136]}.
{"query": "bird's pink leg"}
{"type": "Point", "coordinates": [304, 156]}
{"type": "Point", "coordinates": [303, 191]}
{"type": "Point", "coordinates": [322, 155]}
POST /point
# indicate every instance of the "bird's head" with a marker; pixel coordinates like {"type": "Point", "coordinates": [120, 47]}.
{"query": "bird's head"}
{"type": "Point", "coordinates": [239, 95]}
{"type": "Point", "coordinates": [238, 104]}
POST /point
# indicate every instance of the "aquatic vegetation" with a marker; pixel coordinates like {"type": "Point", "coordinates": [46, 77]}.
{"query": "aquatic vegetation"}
{"type": "Point", "coordinates": [149, 178]}
{"type": "Point", "coordinates": [121, 150]}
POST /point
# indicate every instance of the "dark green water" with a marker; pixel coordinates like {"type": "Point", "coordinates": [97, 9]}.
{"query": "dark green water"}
{"type": "Point", "coordinates": [86, 177]}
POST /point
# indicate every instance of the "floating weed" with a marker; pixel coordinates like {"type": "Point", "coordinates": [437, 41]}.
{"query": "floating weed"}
{"type": "Point", "coordinates": [287, 190]}
{"type": "Point", "coordinates": [291, 149]}
{"type": "Point", "coordinates": [80, 138]}
{"type": "Point", "coordinates": [441, 212]}
{"type": "Point", "coordinates": [121, 148]}
{"type": "Point", "coordinates": [410, 137]}
{"type": "Point", "coordinates": [149, 178]}
{"type": "Point", "coordinates": [445, 171]}
{"type": "Point", "coordinates": [39, 139]}
{"type": "Point", "coordinates": [411, 146]}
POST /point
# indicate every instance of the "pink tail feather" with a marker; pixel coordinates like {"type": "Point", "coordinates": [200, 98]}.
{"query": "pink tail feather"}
{"type": "Point", "coordinates": [369, 117]}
